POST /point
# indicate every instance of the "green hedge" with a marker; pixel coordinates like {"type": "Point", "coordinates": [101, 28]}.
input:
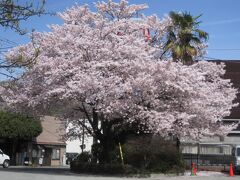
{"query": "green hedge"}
{"type": "Point", "coordinates": [153, 154]}
{"type": "Point", "coordinates": [142, 155]}
{"type": "Point", "coordinates": [106, 169]}
{"type": "Point", "coordinates": [162, 162]}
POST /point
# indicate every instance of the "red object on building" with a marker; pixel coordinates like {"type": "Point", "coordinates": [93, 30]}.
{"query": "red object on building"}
{"type": "Point", "coordinates": [146, 33]}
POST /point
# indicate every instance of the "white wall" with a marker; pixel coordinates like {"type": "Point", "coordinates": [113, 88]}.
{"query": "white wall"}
{"type": "Point", "coordinates": [74, 145]}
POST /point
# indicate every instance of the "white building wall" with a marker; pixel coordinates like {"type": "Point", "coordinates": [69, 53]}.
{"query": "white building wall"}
{"type": "Point", "coordinates": [74, 145]}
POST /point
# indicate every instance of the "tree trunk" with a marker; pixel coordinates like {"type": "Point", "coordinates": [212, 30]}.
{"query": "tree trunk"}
{"type": "Point", "coordinates": [95, 139]}
{"type": "Point", "coordinates": [107, 145]}
{"type": "Point", "coordinates": [107, 142]}
{"type": "Point", "coordinates": [178, 143]}
{"type": "Point", "coordinates": [13, 156]}
{"type": "Point", "coordinates": [29, 152]}
{"type": "Point", "coordinates": [103, 141]}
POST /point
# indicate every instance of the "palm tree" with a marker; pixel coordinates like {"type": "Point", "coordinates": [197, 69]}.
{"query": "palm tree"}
{"type": "Point", "coordinates": [183, 37]}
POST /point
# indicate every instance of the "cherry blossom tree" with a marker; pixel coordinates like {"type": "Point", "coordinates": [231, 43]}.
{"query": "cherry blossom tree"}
{"type": "Point", "coordinates": [12, 14]}
{"type": "Point", "coordinates": [99, 66]}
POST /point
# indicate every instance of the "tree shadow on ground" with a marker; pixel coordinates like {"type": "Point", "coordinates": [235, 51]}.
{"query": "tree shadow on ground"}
{"type": "Point", "coordinates": [40, 170]}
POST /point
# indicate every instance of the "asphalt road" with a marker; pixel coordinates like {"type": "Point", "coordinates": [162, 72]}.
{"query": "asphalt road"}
{"type": "Point", "coordinates": [60, 173]}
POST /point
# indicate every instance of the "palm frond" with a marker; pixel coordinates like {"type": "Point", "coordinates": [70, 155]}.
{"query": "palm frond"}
{"type": "Point", "coordinates": [196, 40]}
{"type": "Point", "coordinates": [178, 51]}
{"type": "Point", "coordinates": [197, 17]}
{"type": "Point", "coordinates": [202, 34]}
{"type": "Point", "coordinates": [182, 34]}
{"type": "Point", "coordinates": [191, 50]}
{"type": "Point", "coordinates": [169, 45]}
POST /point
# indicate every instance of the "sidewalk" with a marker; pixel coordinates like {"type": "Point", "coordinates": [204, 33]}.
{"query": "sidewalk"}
{"type": "Point", "coordinates": [187, 175]}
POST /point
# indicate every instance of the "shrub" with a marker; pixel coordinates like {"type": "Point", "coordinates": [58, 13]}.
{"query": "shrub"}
{"type": "Point", "coordinates": [104, 169]}
{"type": "Point", "coordinates": [153, 154]}
{"type": "Point", "coordinates": [84, 157]}
{"type": "Point", "coordinates": [142, 155]}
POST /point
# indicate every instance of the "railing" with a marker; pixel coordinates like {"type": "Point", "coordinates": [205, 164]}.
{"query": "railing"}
{"type": "Point", "coordinates": [208, 159]}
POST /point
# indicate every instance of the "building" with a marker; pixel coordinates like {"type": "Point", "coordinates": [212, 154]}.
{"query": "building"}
{"type": "Point", "coordinates": [220, 145]}
{"type": "Point", "coordinates": [48, 149]}
{"type": "Point", "coordinates": [76, 145]}
{"type": "Point", "coordinates": [50, 145]}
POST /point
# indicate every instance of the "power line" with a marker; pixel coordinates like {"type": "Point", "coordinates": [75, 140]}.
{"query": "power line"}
{"type": "Point", "coordinates": [216, 49]}
{"type": "Point", "coordinates": [212, 58]}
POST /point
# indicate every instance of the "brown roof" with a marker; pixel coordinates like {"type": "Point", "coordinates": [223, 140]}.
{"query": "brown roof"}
{"type": "Point", "coordinates": [233, 72]}
{"type": "Point", "coordinates": [52, 133]}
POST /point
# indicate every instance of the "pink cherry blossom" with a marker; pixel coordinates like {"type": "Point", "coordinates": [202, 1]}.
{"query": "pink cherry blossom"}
{"type": "Point", "coordinates": [100, 62]}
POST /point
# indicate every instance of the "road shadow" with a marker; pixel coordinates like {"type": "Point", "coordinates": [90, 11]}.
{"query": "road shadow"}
{"type": "Point", "coordinates": [39, 170]}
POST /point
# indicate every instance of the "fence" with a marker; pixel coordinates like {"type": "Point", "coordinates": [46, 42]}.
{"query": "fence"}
{"type": "Point", "coordinates": [208, 160]}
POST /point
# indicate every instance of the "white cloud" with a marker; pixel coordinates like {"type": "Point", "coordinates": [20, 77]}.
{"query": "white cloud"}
{"type": "Point", "coordinates": [221, 22]}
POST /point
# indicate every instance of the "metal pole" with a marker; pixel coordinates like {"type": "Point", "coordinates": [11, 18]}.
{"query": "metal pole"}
{"type": "Point", "coordinates": [198, 148]}
{"type": "Point", "coordinates": [191, 160]}
{"type": "Point", "coordinates": [121, 154]}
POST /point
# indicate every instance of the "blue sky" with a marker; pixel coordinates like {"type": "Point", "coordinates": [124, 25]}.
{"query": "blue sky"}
{"type": "Point", "coordinates": [220, 18]}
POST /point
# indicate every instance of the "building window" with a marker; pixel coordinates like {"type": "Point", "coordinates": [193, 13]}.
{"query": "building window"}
{"type": "Point", "coordinates": [55, 154]}
{"type": "Point", "coordinates": [34, 153]}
